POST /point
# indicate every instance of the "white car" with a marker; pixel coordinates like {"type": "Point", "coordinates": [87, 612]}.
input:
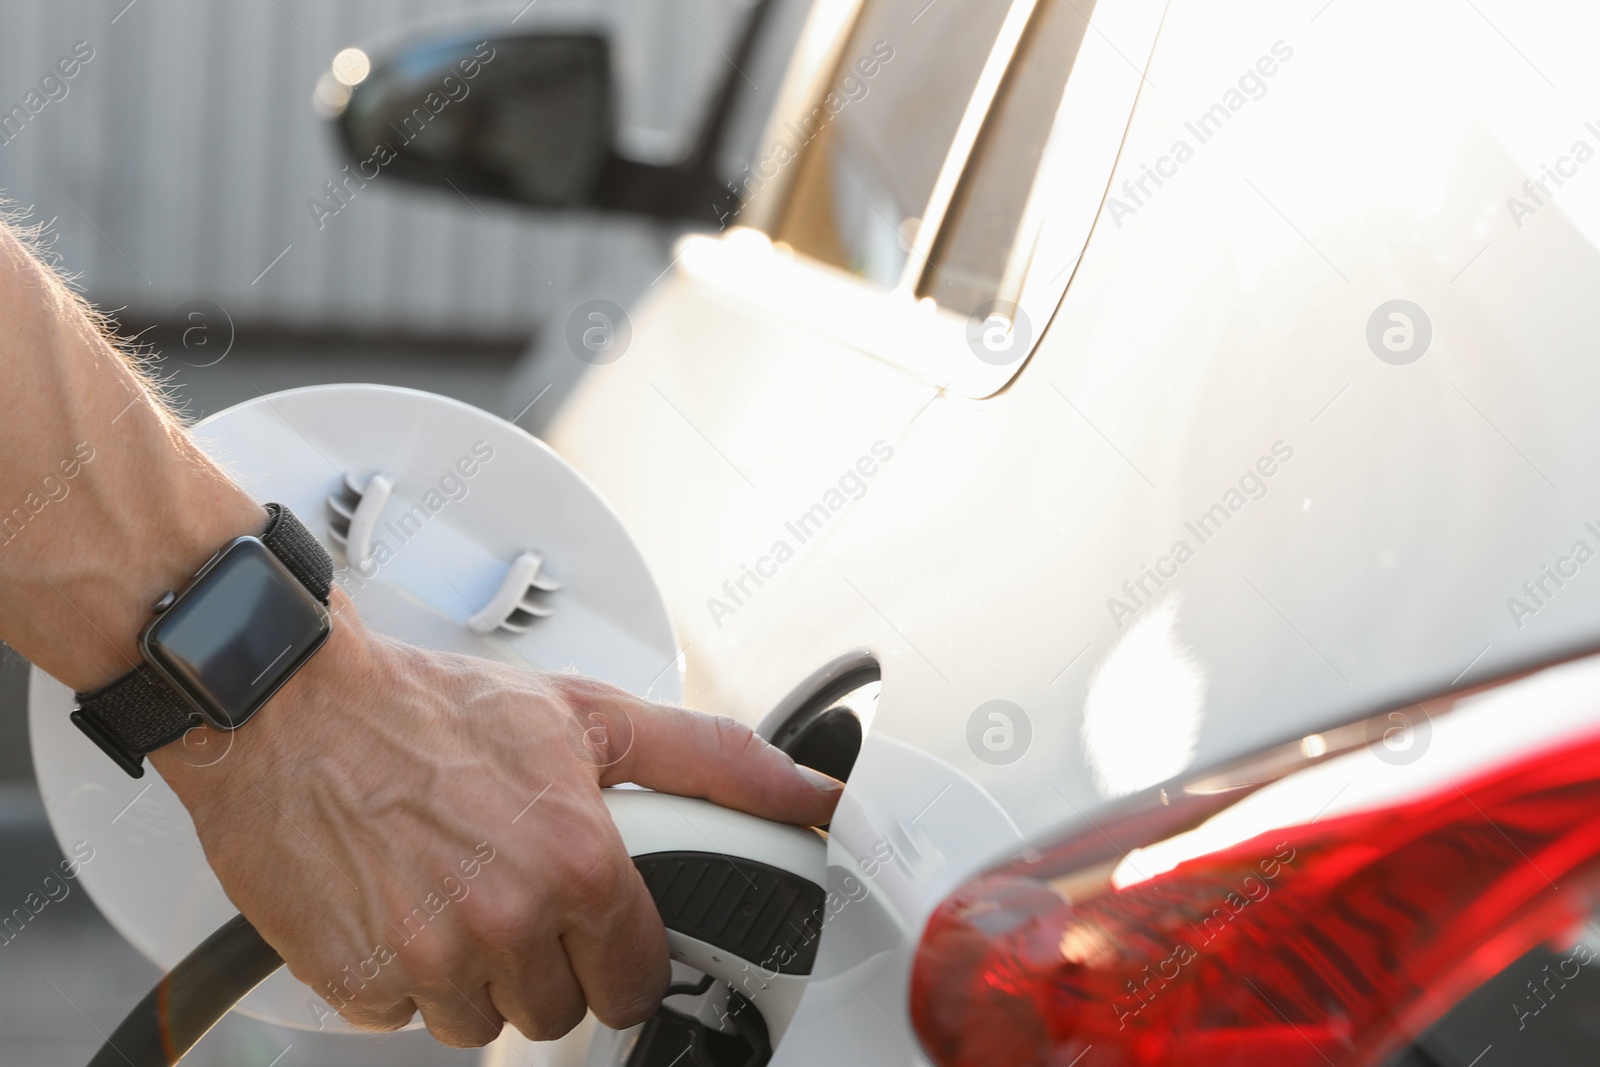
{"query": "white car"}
{"type": "Point", "coordinates": [1150, 448]}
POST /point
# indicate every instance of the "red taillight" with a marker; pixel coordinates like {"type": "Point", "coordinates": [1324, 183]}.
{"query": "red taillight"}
{"type": "Point", "coordinates": [1329, 942]}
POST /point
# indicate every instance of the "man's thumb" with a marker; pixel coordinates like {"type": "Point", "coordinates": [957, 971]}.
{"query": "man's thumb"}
{"type": "Point", "coordinates": [691, 754]}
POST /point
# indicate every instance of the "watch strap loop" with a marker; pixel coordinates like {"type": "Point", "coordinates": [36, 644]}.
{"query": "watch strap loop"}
{"type": "Point", "coordinates": [299, 550]}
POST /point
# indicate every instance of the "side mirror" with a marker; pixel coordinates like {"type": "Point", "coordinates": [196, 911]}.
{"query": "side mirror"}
{"type": "Point", "coordinates": [530, 118]}
{"type": "Point", "coordinates": [525, 118]}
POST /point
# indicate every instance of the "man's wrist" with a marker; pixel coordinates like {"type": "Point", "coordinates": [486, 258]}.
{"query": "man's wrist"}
{"type": "Point", "coordinates": [116, 596]}
{"type": "Point", "coordinates": [203, 646]}
{"type": "Point", "coordinates": [207, 764]}
{"type": "Point", "coordinates": [171, 555]}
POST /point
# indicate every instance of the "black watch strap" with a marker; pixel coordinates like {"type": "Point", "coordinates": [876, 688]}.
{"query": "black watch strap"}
{"type": "Point", "coordinates": [140, 712]}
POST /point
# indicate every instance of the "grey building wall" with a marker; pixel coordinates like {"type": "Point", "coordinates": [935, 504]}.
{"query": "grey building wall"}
{"type": "Point", "coordinates": [181, 159]}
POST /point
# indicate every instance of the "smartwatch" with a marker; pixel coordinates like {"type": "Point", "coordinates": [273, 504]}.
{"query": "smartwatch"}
{"type": "Point", "coordinates": [216, 650]}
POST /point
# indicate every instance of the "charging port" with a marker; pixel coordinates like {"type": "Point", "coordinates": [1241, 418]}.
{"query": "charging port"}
{"type": "Point", "coordinates": [825, 732]}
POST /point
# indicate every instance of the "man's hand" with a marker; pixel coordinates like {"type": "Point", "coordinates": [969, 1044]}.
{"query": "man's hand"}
{"type": "Point", "coordinates": [408, 829]}
{"type": "Point", "coordinates": [415, 830]}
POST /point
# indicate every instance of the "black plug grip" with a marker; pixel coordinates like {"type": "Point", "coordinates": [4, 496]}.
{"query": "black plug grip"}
{"type": "Point", "coordinates": [758, 913]}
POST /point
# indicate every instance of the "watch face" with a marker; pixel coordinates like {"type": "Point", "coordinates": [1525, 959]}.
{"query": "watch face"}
{"type": "Point", "coordinates": [236, 633]}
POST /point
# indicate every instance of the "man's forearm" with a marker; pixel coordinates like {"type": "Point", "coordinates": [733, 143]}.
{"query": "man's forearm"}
{"type": "Point", "coordinates": [104, 502]}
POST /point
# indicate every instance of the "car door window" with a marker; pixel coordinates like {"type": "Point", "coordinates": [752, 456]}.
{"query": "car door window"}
{"type": "Point", "coordinates": [874, 145]}
{"type": "Point", "coordinates": [981, 228]}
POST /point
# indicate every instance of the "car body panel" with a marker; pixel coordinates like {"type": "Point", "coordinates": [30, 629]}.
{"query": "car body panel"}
{"type": "Point", "coordinates": [1195, 337]}
{"type": "Point", "coordinates": [1216, 322]}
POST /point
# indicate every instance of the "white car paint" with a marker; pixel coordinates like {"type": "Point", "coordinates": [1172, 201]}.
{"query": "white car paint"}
{"type": "Point", "coordinates": [1217, 324]}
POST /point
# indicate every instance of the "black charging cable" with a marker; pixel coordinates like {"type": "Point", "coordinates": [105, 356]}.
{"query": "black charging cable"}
{"type": "Point", "coordinates": [191, 998]}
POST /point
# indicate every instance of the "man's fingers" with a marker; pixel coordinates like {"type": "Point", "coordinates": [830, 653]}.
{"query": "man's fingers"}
{"type": "Point", "coordinates": [361, 1003]}
{"type": "Point", "coordinates": [696, 755]}
{"type": "Point", "coordinates": [461, 1016]}
{"type": "Point", "coordinates": [614, 940]}
{"type": "Point", "coordinates": [541, 998]}
{"type": "Point", "coordinates": [371, 1015]}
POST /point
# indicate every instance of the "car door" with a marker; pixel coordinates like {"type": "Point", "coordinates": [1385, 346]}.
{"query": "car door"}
{"type": "Point", "coordinates": [904, 235]}
{"type": "Point", "coordinates": [906, 258]}
{"type": "Point", "coordinates": [1224, 503]}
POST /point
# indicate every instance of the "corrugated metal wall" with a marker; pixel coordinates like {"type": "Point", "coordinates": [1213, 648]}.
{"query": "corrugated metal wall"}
{"type": "Point", "coordinates": [179, 163]}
